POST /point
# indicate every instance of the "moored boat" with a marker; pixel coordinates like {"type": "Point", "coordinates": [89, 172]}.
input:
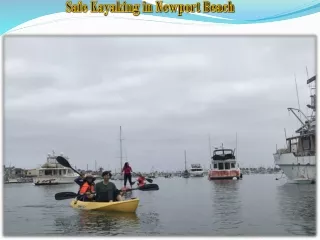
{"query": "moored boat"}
{"type": "Point", "coordinates": [298, 159]}
{"type": "Point", "coordinates": [122, 206]}
{"type": "Point", "coordinates": [196, 170]}
{"type": "Point", "coordinates": [224, 165]}
{"type": "Point", "coordinates": [53, 173]}
{"type": "Point", "coordinates": [185, 173]}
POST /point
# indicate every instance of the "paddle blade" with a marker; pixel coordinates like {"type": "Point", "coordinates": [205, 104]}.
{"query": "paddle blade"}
{"type": "Point", "coordinates": [149, 187]}
{"type": "Point", "coordinates": [64, 162]}
{"type": "Point", "coordinates": [149, 180]}
{"type": "Point", "coordinates": [65, 195]}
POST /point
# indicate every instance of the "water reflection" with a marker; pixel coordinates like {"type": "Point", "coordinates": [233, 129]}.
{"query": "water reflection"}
{"type": "Point", "coordinates": [297, 203]}
{"type": "Point", "coordinates": [255, 206]}
{"type": "Point", "coordinates": [226, 205]}
{"type": "Point", "coordinates": [99, 223]}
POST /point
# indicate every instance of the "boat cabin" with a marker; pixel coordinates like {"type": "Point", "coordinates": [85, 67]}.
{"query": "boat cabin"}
{"type": "Point", "coordinates": [223, 159]}
{"type": "Point", "coordinates": [196, 168]}
{"type": "Point", "coordinates": [303, 145]}
{"type": "Point", "coordinates": [54, 171]}
{"type": "Point", "coordinates": [53, 168]}
{"type": "Point", "coordinates": [224, 165]}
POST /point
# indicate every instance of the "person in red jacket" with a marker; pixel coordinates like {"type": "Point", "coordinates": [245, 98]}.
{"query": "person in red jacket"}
{"type": "Point", "coordinates": [141, 180]}
{"type": "Point", "coordinates": [87, 189]}
{"type": "Point", "coordinates": [127, 174]}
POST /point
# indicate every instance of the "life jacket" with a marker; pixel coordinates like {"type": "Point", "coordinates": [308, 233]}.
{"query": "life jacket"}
{"type": "Point", "coordinates": [86, 187]}
{"type": "Point", "coordinates": [141, 181]}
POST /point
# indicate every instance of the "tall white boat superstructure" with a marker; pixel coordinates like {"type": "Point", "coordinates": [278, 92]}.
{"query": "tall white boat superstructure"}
{"type": "Point", "coordinates": [52, 173]}
{"type": "Point", "coordinates": [298, 160]}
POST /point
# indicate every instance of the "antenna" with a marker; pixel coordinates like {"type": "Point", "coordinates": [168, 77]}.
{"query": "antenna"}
{"type": "Point", "coordinates": [310, 89]}
{"type": "Point", "coordinates": [210, 150]}
{"type": "Point", "coordinates": [295, 79]}
{"type": "Point", "coordinates": [120, 150]}
{"type": "Point", "coordinates": [185, 159]}
{"type": "Point", "coordinates": [308, 77]}
{"type": "Point", "coordinates": [285, 135]}
{"type": "Point", "coordinates": [237, 146]}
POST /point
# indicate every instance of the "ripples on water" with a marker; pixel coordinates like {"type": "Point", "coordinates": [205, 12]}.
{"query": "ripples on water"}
{"type": "Point", "coordinates": [255, 206]}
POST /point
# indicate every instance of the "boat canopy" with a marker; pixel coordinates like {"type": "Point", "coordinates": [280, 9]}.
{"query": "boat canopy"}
{"type": "Point", "coordinates": [223, 154]}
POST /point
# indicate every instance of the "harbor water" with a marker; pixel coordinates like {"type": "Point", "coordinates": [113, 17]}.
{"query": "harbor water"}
{"type": "Point", "coordinates": [258, 205]}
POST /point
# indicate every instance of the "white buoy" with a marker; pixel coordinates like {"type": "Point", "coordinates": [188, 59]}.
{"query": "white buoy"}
{"type": "Point", "coordinates": [234, 178]}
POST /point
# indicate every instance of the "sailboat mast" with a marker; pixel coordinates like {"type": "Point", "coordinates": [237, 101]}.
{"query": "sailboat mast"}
{"type": "Point", "coordinates": [185, 160]}
{"type": "Point", "coordinates": [236, 145]}
{"type": "Point", "coordinates": [210, 150]}
{"type": "Point", "coordinates": [120, 150]}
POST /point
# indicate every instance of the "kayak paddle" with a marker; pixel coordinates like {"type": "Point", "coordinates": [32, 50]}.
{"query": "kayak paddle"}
{"type": "Point", "coordinates": [64, 162]}
{"type": "Point", "coordinates": [146, 187]}
{"type": "Point", "coordinates": [147, 179]}
{"type": "Point", "coordinates": [65, 195]}
{"type": "Point", "coordinates": [68, 195]}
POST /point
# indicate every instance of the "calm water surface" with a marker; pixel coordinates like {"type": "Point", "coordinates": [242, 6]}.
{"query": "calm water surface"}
{"type": "Point", "coordinates": [256, 205]}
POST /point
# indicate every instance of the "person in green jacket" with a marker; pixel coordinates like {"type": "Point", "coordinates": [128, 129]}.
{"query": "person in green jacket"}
{"type": "Point", "coordinates": [107, 191]}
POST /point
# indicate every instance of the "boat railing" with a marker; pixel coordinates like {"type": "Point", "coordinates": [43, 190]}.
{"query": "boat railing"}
{"type": "Point", "coordinates": [283, 150]}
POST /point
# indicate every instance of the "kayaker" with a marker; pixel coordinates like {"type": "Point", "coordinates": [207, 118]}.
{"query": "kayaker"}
{"type": "Point", "coordinates": [107, 191]}
{"type": "Point", "coordinates": [141, 180]}
{"type": "Point", "coordinates": [87, 191]}
{"type": "Point", "coordinates": [80, 180]}
{"type": "Point", "coordinates": [127, 174]}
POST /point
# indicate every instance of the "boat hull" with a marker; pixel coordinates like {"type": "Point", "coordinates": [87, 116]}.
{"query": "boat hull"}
{"type": "Point", "coordinates": [196, 174]}
{"type": "Point", "coordinates": [128, 206]}
{"type": "Point", "coordinates": [223, 174]}
{"type": "Point", "coordinates": [297, 169]}
{"type": "Point", "coordinates": [53, 180]}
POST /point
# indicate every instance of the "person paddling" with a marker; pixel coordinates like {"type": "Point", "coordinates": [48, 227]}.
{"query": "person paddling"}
{"type": "Point", "coordinates": [80, 180]}
{"type": "Point", "coordinates": [107, 191]}
{"type": "Point", "coordinates": [141, 180]}
{"type": "Point", "coordinates": [127, 174]}
{"type": "Point", "coordinates": [87, 189]}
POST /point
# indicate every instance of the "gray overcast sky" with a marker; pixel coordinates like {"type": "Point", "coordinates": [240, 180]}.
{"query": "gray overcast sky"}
{"type": "Point", "coordinates": [71, 94]}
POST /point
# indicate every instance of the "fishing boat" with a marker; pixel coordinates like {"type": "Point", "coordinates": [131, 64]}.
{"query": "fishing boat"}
{"type": "Point", "coordinates": [196, 170]}
{"type": "Point", "coordinates": [224, 165]}
{"type": "Point", "coordinates": [185, 173]}
{"type": "Point", "coordinates": [52, 173]}
{"type": "Point", "coordinates": [298, 159]}
{"type": "Point", "coordinates": [128, 206]}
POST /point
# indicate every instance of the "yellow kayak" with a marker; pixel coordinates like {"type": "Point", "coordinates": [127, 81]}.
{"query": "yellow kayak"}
{"type": "Point", "coordinates": [123, 206]}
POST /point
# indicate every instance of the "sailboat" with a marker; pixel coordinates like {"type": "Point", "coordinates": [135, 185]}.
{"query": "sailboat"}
{"type": "Point", "coordinates": [119, 176]}
{"type": "Point", "coordinates": [152, 173]}
{"type": "Point", "coordinates": [185, 173]}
